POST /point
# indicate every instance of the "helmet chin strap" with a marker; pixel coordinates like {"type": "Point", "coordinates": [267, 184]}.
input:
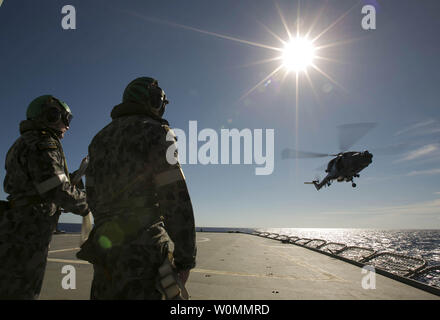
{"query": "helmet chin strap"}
{"type": "Point", "coordinates": [162, 111]}
{"type": "Point", "coordinates": [57, 132]}
{"type": "Point", "coordinates": [158, 112]}
{"type": "Point", "coordinates": [154, 111]}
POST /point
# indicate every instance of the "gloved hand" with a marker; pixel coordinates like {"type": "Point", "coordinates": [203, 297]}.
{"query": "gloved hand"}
{"type": "Point", "coordinates": [77, 182]}
{"type": "Point", "coordinates": [76, 176]}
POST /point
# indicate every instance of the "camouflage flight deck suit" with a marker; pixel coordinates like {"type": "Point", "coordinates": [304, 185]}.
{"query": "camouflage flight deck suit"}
{"type": "Point", "coordinates": [37, 182]}
{"type": "Point", "coordinates": [139, 201]}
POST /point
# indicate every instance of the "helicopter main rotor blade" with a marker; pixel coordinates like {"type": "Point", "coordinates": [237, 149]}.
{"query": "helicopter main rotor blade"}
{"type": "Point", "coordinates": [391, 149]}
{"type": "Point", "coordinates": [349, 134]}
{"type": "Point", "coordinates": [295, 154]}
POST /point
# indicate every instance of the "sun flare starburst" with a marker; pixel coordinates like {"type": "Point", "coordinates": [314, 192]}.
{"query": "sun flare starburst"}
{"type": "Point", "coordinates": [298, 54]}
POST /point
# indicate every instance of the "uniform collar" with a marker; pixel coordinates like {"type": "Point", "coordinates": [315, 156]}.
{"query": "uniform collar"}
{"type": "Point", "coordinates": [131, 108]}
{"type": "Point", "coordinates": [33, 125]}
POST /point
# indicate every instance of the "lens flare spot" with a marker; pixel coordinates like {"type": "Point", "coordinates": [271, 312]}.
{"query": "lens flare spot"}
{"type": "Point", "coordinates": [104, 242]}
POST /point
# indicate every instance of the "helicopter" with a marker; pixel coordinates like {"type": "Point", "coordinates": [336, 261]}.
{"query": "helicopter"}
{"type": "Point", "coordinates": [346, 165]}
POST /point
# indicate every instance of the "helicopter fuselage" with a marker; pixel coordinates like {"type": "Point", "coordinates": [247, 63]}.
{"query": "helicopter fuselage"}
{"type": "Point", "coordinates": [344, 167]}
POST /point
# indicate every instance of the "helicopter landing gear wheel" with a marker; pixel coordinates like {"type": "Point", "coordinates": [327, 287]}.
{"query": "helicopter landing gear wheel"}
{"type": "Point", "coordinates": [353, 185]}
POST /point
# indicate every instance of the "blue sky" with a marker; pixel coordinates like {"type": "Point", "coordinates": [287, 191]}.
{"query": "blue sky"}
{"type": "Point", "coordinates": [389, 76]}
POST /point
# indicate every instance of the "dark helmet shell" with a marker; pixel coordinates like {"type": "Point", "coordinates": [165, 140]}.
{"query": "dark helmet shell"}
{"type": "Point", "coordinates": [38, 106]}
{"type": "Point", "coordinates": [137, 91]}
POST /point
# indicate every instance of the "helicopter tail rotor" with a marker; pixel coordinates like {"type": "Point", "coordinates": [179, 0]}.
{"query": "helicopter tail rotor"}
{"type": "Point", "coordinates": [315, 183]}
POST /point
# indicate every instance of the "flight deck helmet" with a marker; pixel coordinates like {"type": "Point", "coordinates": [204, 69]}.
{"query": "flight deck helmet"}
{"type": "Point", "coordinates": [146, 91]}
{"type": "Point", "coordinates": [49, 109]}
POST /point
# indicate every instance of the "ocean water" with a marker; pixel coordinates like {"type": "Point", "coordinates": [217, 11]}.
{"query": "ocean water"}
{"type": "Point", "coordinates": [415, 243]}
{"type": "Point", "coordinates": [423, 244]}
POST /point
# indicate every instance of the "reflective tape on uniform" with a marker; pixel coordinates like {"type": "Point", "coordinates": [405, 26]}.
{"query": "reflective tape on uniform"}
{"type": "Point", "coordinates": [51, 183]}
{"type": "Point", "coordinates": [168, 177]}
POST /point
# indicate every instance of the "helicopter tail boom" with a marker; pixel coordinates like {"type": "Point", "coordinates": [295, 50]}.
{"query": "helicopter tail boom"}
{"type": "Point", "coordinates": [315, 183]}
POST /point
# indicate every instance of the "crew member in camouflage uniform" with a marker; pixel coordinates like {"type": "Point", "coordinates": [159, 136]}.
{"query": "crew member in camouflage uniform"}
{"type": "Point", "coordinates": [38, 184]}
{"type": "Point", "coordinates": [139, 200]}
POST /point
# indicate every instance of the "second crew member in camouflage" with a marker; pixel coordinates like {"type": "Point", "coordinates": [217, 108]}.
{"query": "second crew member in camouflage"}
{"type": "Point", "coordinates": [38, 184]}
{"type": "Point", "coordinates": [139, 200]}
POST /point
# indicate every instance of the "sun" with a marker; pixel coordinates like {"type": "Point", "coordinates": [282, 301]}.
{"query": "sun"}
{"type": "Point", "coordinates": [298, 54]}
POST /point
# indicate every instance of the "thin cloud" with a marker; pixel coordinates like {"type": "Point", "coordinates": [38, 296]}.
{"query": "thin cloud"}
{"type": "Point", "coordinates": [424, 172]}
{"type": "Point", "coordinates": [420, 153]}
{"type": "Point", "coordinates": [419, 208]}
{"type": "Point", "coordinates": [416, 127]}
{"type": "Point", "coordinates": [422, 208]}
{"type": "Point", "coordinates": [427, 131]}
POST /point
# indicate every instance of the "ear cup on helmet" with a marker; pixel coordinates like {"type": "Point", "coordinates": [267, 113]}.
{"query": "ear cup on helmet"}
{"type": "Point", "coordinates": [53, 115]}
{"type": "Point", "coordinates": [146, 92]}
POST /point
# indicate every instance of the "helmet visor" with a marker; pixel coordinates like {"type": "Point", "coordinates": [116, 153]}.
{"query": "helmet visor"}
{"type": "Point", "coordinates": [67, 118]}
